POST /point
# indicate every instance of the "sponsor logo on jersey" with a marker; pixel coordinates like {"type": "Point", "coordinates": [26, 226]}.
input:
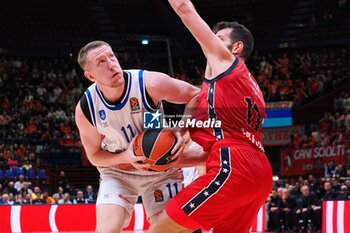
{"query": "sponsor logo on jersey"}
{"type": "Point", "coordinates": [134, 104]}
{"type": "Point", "coordinates": [103, 115]}
{"type": "Point", "coordinates": [158, 195]}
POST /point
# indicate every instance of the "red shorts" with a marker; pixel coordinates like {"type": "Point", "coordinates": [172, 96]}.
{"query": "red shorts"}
{"type": "Point", "coordinates": [228, 197]}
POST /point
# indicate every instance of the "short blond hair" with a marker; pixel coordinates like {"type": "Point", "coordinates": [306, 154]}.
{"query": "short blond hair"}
{"type": "Point", "coordinates": [88, 47]}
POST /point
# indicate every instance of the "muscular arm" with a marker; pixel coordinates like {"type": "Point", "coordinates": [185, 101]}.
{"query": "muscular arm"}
{"type": "Point", "coordinates": [162, 87]}
{"type": "Point", "coordinates": [91, 140]}
{"type": "Point", "coordinates": [219, 57]}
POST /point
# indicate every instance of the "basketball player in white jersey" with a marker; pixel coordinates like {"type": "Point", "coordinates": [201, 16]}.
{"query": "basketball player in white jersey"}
{"type": "Point", "coordinates": [109, 115]}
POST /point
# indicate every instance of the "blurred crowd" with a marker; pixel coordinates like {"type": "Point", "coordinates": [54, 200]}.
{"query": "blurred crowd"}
{"type": "Point", "coordinates": [332, 129]}
{"type": "Point", "coordinates": [24, 191]}
{"type": "Point", "coordinates": [296, 205]}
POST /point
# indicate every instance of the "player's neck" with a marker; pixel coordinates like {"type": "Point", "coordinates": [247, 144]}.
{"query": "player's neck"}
{"type": "Point", "coordinates": [112, 94]}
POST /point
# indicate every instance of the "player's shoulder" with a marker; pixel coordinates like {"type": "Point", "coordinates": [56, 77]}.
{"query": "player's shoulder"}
{"type": "Point", "coordinates": [134, 72]}
{"type": "Point", "coordinates": [82, 108]}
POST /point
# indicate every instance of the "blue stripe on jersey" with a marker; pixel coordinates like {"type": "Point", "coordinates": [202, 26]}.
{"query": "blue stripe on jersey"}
{"type": "Point", "coordinates": [218, 133]}
{"type": "Point", "coordinates": [220, 76]}
{"type": "Point", "coordinates": [91, 105]}
{"type": "Point", "coordinates": [214, 186]}
{"type": "Point", "coordinates": [122, 103]}
{"type": "Point", "coordinates": [143, 92]}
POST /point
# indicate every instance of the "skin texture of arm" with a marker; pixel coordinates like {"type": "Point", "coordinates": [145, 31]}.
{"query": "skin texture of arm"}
{"type": "Point", "coordinates": [91, 140]}
{"type": "Point", "coordinates": [162, 87]}
{"type": "Point", "coordinates": [219, 57]}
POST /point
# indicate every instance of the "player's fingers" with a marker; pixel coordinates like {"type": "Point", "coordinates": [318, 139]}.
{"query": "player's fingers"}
{"type": "Point", "coordinates": [179, 143]}
{"type": "Point", "coordinates": [178, 152]}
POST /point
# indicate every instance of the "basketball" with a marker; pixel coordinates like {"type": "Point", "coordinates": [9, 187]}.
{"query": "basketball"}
{"type": "Point", "coordinates": [156, 146]}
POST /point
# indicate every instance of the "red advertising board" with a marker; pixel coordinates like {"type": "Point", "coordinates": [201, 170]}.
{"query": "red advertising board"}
{"type": "Point", "coordinates": [311, 160]}
{"type": "Point", "coordinates": [78, 218]}
{"type": "Point", "coordinates": [280, 136]}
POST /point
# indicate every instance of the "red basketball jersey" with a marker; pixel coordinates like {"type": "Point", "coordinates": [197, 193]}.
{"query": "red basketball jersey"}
{"type": "Point", "coordinates": [235, 99]}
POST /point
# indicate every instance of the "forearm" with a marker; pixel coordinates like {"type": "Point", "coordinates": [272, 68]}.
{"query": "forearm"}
{"type": "Point", "coordinates": [188, 15]}
{"type": "Point", "coordinates": [103, 158]}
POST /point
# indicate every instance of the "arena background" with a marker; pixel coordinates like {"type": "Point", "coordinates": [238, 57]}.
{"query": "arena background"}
{"type": "Point", "coordinates": [301, 62]}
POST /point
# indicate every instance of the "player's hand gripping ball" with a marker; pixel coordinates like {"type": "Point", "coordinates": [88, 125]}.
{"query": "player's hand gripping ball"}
{"type": "Point", "coordinates": [156, 146]}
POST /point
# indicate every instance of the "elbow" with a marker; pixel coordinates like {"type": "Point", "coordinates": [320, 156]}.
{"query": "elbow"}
{"type": "Point", "coordinates": [184, 8]}
{"type": "Point", "coordinates": [92, 160]}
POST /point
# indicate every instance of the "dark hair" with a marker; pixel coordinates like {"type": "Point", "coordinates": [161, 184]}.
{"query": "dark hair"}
{"type": "Point", "coordinates": [239, 33]}
{"type": "Point", "coordinates": [90, 46]}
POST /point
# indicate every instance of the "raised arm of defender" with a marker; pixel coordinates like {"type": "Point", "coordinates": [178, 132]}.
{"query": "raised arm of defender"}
{"type": "Point", "coordinates": [219, 57]}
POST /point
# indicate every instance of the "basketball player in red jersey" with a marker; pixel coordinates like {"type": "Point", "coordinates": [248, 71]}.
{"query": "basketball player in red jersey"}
{"type": "Point", "coordinates": [239, 176]}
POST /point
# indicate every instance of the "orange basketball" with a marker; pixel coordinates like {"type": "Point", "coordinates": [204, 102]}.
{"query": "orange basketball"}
{"type": "Point", "coordinates": [156, 146]}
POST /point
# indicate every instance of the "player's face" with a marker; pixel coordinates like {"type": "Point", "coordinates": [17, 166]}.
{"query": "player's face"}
{"type": "Point", "coordinates": [235, 47]}
{"type": "Point", "coordinates": [103, 67]}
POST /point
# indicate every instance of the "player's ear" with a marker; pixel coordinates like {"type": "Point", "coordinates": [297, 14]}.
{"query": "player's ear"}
{"type": "Point", "coordinates": [89, 76]}
{"type": "Point", "coordinates": [237, 48]}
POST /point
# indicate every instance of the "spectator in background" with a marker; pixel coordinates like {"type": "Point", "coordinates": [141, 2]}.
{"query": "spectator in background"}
{"type": "Point", "coordinates": [27, 199]}
{"type": "Point", "coordinates": [60, 192]}
{"type": "Point", "coordinates": [304, 210]}
{"type": "Point", "coordinates": [19, 184]}
{"type": "Point", "coordinates": [26, 166]}
{"type": "Point", "coordinates": [46, 198]}
{"type": "Point", "coordinates": [329, 169]}
{"type": "Point", "coordinates": [63, 182]}
{"type": "Point", "coordinates": [272, 210]}
{"type": "Point", "coordinates": [10, 188]}
{"type": "Point", "coordinates": [314, 186]}
{"type": "Point", "coordinates": [330, 194]}
{"type": "Point", "coordinates": [286, 211]}
{"type": "Point", "coordinates": [19, 199]}
{"type": "Point", "coordinates": [37, 197]}
{"type": "Point", "coordinates": [79, 198]}
{"type": "Point", "coordinates": [344, 193]}
{"type": "Point", "coordinates": [56, 197]}
{"type": "Point", "coordinates": [25, 189]}
{"type": "Point", "coordinates": [65, 200]}
{"type": "Point", "coordinates": [6, 200]}
{"type": "Point", "coordinates": [90, 195]}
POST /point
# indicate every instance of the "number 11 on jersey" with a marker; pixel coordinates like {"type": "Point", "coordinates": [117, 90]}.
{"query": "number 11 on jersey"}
{"type": "Point", "coordinates": [132, 134]}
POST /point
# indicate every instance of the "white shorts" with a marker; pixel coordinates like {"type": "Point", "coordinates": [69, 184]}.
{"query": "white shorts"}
{"type": "Point", "coordinates": [123, 188]}
{"type": "Point", "coordinates": [190, 175]}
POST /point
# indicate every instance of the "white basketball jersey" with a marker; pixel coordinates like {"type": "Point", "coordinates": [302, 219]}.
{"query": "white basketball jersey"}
{"type": "Point", "coordinates": [120, 122]}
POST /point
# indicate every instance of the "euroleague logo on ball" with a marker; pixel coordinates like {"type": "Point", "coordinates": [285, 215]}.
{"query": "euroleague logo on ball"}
{"type": "Point", "coordinates": [157, 120]}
